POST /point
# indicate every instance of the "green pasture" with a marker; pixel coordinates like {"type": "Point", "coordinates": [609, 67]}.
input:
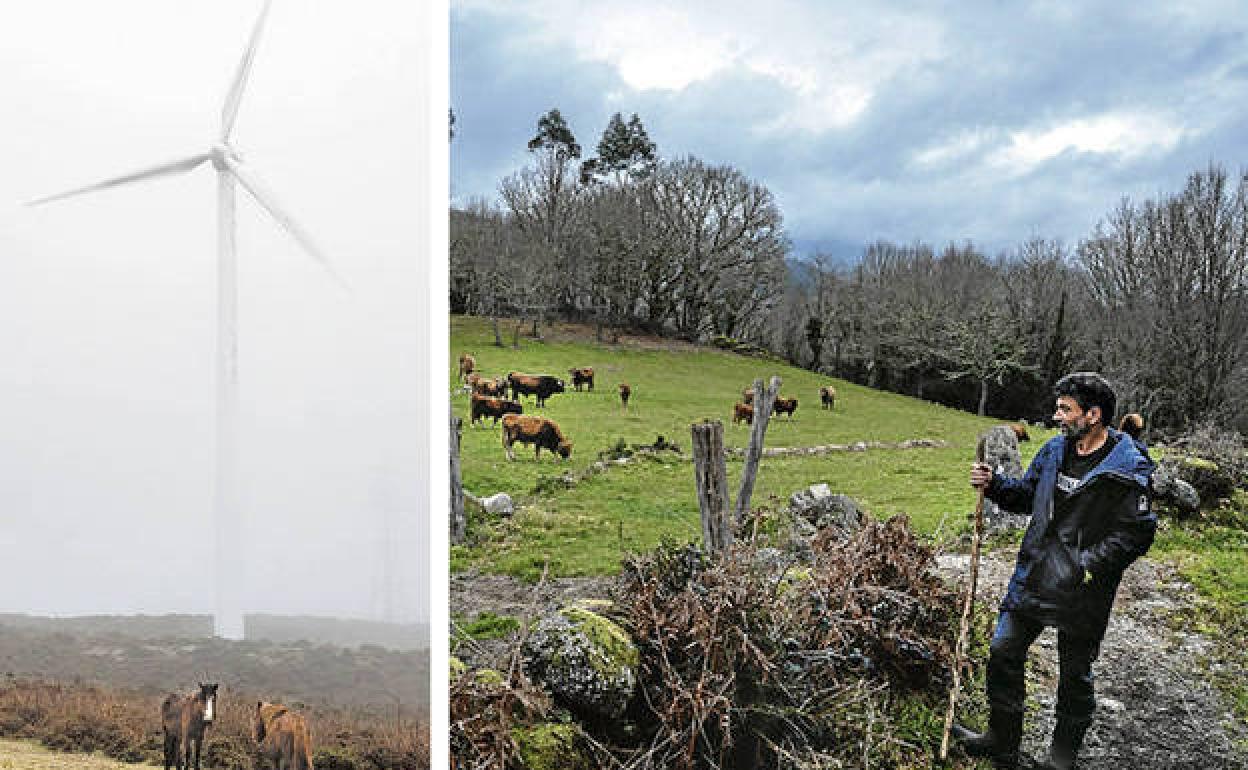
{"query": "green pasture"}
{"type": "Point", "coordinates": [586, 530]}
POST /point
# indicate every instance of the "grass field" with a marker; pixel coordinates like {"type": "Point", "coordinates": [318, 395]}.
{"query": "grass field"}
{"type": "Point", "coordinates": [28, 755]}
{"type": "Point", "coordinates": [585, 530]}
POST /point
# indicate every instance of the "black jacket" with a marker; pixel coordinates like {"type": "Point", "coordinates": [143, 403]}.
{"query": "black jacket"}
{"type": "Point", "coordinates": [1109, 524]}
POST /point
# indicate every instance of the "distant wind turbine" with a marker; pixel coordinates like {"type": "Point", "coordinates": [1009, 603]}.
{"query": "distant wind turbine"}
{"type": "Point", "coordinates": [228, 618]}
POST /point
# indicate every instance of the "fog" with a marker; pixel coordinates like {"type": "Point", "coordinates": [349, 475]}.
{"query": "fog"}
{"type": "Point", "coordinates": [108, 309]}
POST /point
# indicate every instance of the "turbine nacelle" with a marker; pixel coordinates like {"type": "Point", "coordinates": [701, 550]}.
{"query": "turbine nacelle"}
{"type": "Point", "coordinates": [222, 155]}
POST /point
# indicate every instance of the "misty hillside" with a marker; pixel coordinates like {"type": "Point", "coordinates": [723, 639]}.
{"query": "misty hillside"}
{"type": "Point", "coordinates": [59, 650]}
{"type": "Point", "coordinates": [273, 628]}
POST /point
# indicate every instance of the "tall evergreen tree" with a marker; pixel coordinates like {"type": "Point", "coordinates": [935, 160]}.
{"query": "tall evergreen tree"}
{"type": "Point", "coordinates": [625, 151]}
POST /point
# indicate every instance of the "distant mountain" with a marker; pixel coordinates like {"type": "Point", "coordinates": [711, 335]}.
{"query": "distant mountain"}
{"type": "Point", "coordinates": [274, 628]}
{"type": "Point", "coordinates": [346, 633]}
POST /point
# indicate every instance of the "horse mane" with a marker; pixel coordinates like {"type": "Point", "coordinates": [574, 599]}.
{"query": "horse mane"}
{"type": "Point", "coordinates": [271, 711]}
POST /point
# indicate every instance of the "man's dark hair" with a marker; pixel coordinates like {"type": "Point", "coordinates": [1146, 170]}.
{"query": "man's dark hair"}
{"type": "Point", "coordinates": [1089, 389]}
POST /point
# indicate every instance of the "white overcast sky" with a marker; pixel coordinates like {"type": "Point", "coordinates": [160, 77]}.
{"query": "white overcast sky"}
{"type": "Point", "coordinates": [935, 121]}
{"type": "Point", "coordinates": [107, 306]}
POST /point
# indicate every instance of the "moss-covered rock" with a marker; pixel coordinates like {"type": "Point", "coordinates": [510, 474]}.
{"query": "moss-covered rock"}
{"type": "Point", "coordinates": [794, 579]}
{"type": "Point", "coordinates": [585, 660]}
{"type": "Point", "coordinates": [456, 668]}
{"type": "Point", "coordinates": [488, 676]}
{"type": "Point", "coordinates": [1209, 479]}
{"type": "Point", "coordinates": [549, 746]}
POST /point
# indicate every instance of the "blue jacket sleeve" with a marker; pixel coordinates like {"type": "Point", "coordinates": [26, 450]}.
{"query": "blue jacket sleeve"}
{"type": "Point", "coordinates": [1016, 495]}
{"type": "Point", "coordinates": [1134, 526]}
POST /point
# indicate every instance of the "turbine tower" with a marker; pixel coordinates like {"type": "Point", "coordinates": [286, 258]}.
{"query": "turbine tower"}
{"type": "Point", "coordinates": [228, 614]}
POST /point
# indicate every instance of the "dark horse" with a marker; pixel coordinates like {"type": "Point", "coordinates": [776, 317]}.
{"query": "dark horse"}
{"type": "Point", "coordinates": [184, 719]}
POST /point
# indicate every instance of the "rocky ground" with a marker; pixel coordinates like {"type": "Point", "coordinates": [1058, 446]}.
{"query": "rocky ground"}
{"type": "Point", "coordinates": [1155, 710]}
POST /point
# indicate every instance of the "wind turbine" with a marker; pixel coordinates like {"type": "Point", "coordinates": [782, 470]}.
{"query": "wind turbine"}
{"type": "Point", "coordinates": [228, 616]}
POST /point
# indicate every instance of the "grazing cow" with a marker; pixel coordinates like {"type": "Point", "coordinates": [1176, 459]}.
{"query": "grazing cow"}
{"type": "Point", "coordinates": [494, 387]}
{"type": "Point", "coordinates": [784, 406]}
{"type": "Point", "coordinates": [827, 395]}
{"type": "Point", "coordinates": [467, 365]}
{"type": "Point", "coordinates": [582, 376]}
{"type": "Point", "coordinates": [540, 385]}
{"type": "Point", "coordinates": [1132, 425]}
{"type": "Point", "coordinates": [282, 737]}
{"type": "Point", "coordinates": [625, 392]}
{"type": "Point", "coordinates": [747, 396]}
{"type": "Point", "coordinates": [537, 430]}
{"type": "Point", "coordinates": [183, 719]}
{"type": "Point", "coordinates": [487, 406]}
{"type": "Point", "coordinates": [742, 412]}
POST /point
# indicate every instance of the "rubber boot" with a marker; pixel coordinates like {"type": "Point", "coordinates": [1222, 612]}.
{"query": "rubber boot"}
{"type": "Point", "coordinates": [999, 742]}
{"type": "Point", "coordinates": [1067, 738]}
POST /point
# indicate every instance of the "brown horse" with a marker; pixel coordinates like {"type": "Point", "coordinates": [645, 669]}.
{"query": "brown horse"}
{"type": "Point", "coordinates": [184, 718]}
{"type": "Point", "coordinates": [282, 737]}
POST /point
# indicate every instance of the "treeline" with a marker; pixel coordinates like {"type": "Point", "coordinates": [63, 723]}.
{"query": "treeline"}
{"type": "Point", "coordinates": [1156, 296]}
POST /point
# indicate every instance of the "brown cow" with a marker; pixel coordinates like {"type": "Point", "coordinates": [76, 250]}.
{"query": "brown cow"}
{"type": "Point", "coordinates": [1020, 431]}
{"type": "Point", "coordinates": [487, 406]}
{"type": "Point", "coordinates": [467, 365]}
{"type": "Point", "coordinates": [183, 719]}
{"type": "Point", "coordinates": [582, 376]}
{"type": "Point", "coordinates": [747, 396]}
{"type": "Point", "coordinates": [625, 392]}
{"type": "Point", "coordinates": [1132, 425]}
{"type": "Point", "coordinates": [537, 430]}
{"type": "Point", "coordinates": [742, 412]}
{"type": "Point", "coordinates": [784, 406]}
{"type": "Point", "coordinates": [827, 395]}
{"type": "Point", "coordinates": [487, 387]}
{"type": "Point", "coordinates": [282, 737]}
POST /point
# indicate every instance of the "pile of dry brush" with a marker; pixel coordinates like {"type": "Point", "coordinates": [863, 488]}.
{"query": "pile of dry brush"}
{"type": "Point", "coordinates": [755, 660]}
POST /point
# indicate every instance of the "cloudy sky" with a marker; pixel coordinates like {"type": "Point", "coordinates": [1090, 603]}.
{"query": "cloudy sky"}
{"type": "Point", "coordinates": [108, 307]}
{"type": "Point", "coordinates": [937, 121]}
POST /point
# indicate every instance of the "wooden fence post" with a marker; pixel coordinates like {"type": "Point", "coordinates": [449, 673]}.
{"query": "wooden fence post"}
{"type": "Point", "coordinates": [711, 477]}
{"type": "Point", "coordinates": [764, 400]}
{"type": "Point", "coordinates": [459, 523]}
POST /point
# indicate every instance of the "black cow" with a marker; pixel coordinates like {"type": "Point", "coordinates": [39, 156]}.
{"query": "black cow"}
{"type": "Point", "coordinates": [540, 385]}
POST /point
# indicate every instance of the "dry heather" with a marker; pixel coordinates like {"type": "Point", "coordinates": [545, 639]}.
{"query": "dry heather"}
{"type": "Point", "coordinates": [125, 724]}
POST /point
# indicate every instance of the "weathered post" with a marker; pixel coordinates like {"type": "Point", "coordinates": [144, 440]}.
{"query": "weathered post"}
{"type": "Point", "coordinates": [459, 523]}
{"type": "Point", "coordinates": [711, 477]}
{"type": "Point", "coordinates": [764, 400]}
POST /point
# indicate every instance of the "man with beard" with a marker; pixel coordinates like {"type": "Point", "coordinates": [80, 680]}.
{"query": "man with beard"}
{"type": "Point", "coordinates": [1087, 493]}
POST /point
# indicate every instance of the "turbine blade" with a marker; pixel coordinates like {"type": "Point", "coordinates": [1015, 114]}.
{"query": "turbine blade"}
{"type": "Point", "coordinates": [268, 201]}
{"type": "Point", "coordinates": [235, 96]}
{"type": "Point", "coordinates": [164, 169]}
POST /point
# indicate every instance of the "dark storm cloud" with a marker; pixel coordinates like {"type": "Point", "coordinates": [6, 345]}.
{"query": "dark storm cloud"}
{"type": "Point", "coordinates": [990, 122]}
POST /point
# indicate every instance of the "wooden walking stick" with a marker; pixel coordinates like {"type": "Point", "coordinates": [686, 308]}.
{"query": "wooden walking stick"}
{"type": "Point", "coordinates": [960, 650]}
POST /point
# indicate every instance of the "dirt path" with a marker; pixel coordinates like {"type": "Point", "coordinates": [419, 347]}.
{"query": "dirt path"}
{"type": "Point", "coordinates": [24, 755]}
{"type": "Point", "coordinates": [1154, 709]}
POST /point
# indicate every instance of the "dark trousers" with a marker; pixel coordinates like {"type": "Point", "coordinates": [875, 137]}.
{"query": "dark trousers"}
{"type": "Point", "coordinates": [1008, 654]}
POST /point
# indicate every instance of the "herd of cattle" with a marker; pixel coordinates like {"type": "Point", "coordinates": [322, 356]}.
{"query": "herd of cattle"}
{"type": "Point", "coordinates": [282, 736]}
{"type": "Point", "coordinates": [490, 401]}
